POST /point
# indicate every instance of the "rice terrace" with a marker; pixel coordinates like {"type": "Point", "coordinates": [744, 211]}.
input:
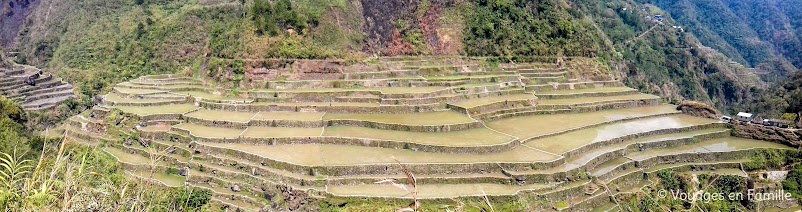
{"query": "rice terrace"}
{"type": "Point", "coordinates": [423, 129]}
{"type": "Point", "coordinates": [401, 105]}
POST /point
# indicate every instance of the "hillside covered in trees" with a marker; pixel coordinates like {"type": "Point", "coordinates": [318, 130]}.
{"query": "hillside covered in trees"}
{"type": "Point", "coordinates": [112, 41]}
{"type": "Point", "coordinates": [756, 33]}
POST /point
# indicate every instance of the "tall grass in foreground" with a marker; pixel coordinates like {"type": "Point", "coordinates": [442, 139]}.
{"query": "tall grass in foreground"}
{"type": "Point", "coordinates": [80, 178]}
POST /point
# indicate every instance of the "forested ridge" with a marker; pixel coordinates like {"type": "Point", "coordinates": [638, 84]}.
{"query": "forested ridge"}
{"type": "Point", "coordinates": [760, 34]}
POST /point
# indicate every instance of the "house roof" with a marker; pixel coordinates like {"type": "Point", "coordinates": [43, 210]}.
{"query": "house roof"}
{"type": "Point", "coordinates": [742, 114]}
{"type": "Point", "coordinates": [780, 121]}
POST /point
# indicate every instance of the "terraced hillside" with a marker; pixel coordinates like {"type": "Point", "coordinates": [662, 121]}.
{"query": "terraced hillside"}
{"type": "Point", "coordinates": [462, 129]}
{"type": "Point", "coordinates": [35, 89]}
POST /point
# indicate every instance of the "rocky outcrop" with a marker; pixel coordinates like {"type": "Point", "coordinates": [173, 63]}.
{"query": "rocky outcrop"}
{"type": "Point", "coordinates": [296, 200]}
{"type": "Point", "coordinates": [778, 135]}
{"type": "Point", "coordinates": [699, 109]}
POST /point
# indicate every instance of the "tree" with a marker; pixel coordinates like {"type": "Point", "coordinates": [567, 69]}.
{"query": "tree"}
{"type": "Point", "coordinates": [140, 30]}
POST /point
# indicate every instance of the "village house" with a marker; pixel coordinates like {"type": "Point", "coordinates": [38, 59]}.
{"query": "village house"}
{"type": "Point", "coordinates": [744, 117]}
{"type": "Point", "coordinates": [778, 123]}
{"type": "Point", "coordinates": [658, 18]}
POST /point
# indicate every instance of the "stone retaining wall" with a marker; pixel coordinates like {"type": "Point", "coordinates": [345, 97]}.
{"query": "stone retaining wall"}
{"type": "Point", "coordinates": [330, 96]}
{"type": "Point", "coordinates": [216, 123]}
{"type": "Point", "coordinates": [496, 106]}
{"type": "Point", "coordinates": [382, 74]}
{"type": "Point", "coordinates": [164, 77]}
{"type": "Point", "coordinates": [628, 179]}
{"type": "Point", "coordinates": [251, 170]}
{"type": "Point", "coordinates": [392, 109]}
{"type": "Point", "coordinates": [147, 104]}
{"type": "Point", "coordinates": [47, 96]}
{"type": "Point", "coordinates": [426, 100]}
{"type": "Point", "coordinates": [347, 83]}
{"type": "Point", "coordinates": [546, 80]}
{"type": "Point", "coordinates": [558, 109]}
{"type": "Point", "coordinates": [591, 203]}
{"type": "Point", "coordinates": [167, 158]}
{"type": "Point", "coordinates": [621, 169]}
{"type": "Point", "coordinates": [679, 142]}
{"type": "Point", "coordinates": [176, 150]}
{"type": "Point", "coordinates": [560, 194]}
{"type": "Point", "coordinates": [579, 85]}
{"type": "Point", "coordinates": [516, 112]}
{"type": "Point", "coordinates": [416, 95]}
{"type": "Point", "coordinates": [246, 188]}
{"type": "Point", "coordinates": [288, 123]}
{"type": "Point", "coordinates": [359, 99]}
{"type": "Point", "coordinates": [337, 122]}
{"type": "Point", "coordinates": [422, 180]}
{"type": "Point", "coordinates": [405, 127]}
{"type": "Point", "coordinates": [155, 117]}
{"type": "Point", "coordinates": [163, 82]}
{"type": "Point", "coordinates": [696, 157]}
{"type": "Point", "coordinates": [356, 142]}
{"type": "Point", "coordinates": [584, 95]}
{"type": "Point", "coordinates": [99, 112]}
{"type": "Point", "coordinates": [592, 164]}
{"type": "Point", "coordinates": [595, 145]}
{"type": "Point", "coordinates": [377, 169]}
{"type": "Point", "coordinates": [695, 167]}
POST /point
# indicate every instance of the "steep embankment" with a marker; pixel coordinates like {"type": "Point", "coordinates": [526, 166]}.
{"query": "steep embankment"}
{"type": "Point", "coordinates": [112, 41]}
{"type": "Point", "coordinates": [762, 34]}
{"type": "Point", "coordinates": [13, 14]}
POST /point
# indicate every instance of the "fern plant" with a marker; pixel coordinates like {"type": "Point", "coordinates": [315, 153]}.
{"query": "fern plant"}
{"type": "Point", "coordinates": [12, 174]}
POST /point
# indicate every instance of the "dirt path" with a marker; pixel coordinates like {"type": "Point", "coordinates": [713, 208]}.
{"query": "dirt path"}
{"type": "Point", "coordinates": [642, 34]}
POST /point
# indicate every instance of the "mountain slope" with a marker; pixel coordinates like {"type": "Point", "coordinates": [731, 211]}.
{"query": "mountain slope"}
{"type": "Point", "coordinates": [659, 58]}
{"type": "Point", "coordinates": [761, 34]}
{"type": "Point", "coordinates": [95, 44]}
{"type": "Point", "coordinates": [12, 17]}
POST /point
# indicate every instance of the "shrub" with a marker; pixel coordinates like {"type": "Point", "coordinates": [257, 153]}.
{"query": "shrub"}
{"type": "Point", "coordinates": [793, 182]}
{"type": "Point", "coordinates": [192, 199]}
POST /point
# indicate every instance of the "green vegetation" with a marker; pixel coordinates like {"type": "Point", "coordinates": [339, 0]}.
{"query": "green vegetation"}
{"type": "Point", "coordinates": [83, 178]}
{"type": "Point", "coordinates": [96, 44]}
{"type": "Point", "coordinates": [793, 181]}
{"type": "Point", "coordinates": [133, 39]}
{"type": "Point", "coordinates": [517, 27]}
{"type": "Point", "coordinates": [747, 31]}
{"type": "Point", "coordinates": [779, 100]}
{"type": "Point", "coordinates": [46, 175]}
{"type": "Point", "coordinates": [660, 59]}
{"type": "Point", "coordinates": [771, 159]}
{"type": "Point", "coordinates": [652, 199]}
{"type": "Point", "coordinates": [272, 18]}
{"type": "Point", "coordinates": [13, 133]}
